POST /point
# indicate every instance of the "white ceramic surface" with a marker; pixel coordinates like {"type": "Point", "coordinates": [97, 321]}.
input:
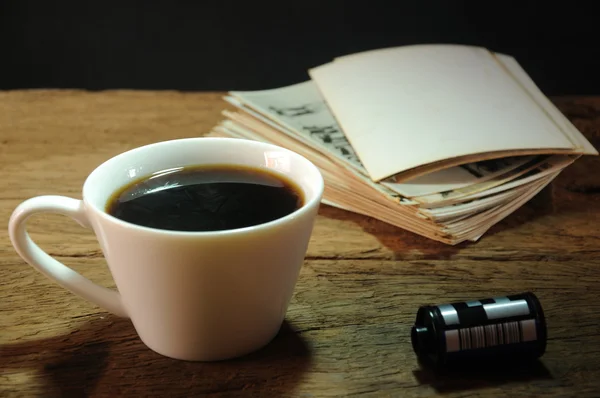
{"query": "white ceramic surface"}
{"type": "Point", "coordinates": [190, 295]}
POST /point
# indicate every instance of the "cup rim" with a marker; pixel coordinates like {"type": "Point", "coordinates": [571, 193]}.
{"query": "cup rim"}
{"type": "Point", "coordinates": [311, 203]}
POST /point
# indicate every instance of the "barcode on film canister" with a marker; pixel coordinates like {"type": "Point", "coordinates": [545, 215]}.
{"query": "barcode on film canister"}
{"type": "Point", "coordinates": [486, 336]}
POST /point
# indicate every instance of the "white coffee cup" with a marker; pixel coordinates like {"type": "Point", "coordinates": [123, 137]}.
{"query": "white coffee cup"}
{"type": "Point", "coordinates": [190, 295]}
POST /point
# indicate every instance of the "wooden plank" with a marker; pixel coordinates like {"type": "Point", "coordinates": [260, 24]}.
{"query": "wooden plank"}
{"type": "Point", "coordinates": [347, 332]}
{"type": "Point", "coordinates": [347, 329]}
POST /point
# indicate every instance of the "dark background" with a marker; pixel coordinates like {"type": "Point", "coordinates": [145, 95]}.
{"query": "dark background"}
{"type": "Point", "coordinates": [216, 45]}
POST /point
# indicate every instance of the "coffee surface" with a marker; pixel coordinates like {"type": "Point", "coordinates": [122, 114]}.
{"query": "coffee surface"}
{"type": "Point", "coordinates": [206, 198]}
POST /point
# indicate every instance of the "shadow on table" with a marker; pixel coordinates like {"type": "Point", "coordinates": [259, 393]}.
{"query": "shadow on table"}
{"type": "Point", "coordinates": [407, 244]}
{"type": "Point", "coordinates": [481, 376]}
{"type": "Point", "coordinates": [106, 357]}
{"type": "Point", "coordinates": [404, 244]}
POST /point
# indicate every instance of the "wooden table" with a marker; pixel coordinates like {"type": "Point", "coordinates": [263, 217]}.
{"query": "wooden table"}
{"type": "Point", "coordinates": [348, 326]}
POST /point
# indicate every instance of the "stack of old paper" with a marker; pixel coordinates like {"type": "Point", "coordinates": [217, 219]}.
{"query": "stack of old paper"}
{"type": "Point", "coordinates": [441, 140]}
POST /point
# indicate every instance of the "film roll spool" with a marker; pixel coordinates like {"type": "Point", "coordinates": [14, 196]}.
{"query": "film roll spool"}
{"type": "Point", "coordinates": [502, 328]}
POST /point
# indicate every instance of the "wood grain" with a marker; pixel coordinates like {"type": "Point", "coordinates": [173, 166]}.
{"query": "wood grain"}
{"type": "Point", "coordinates": [347, 328]}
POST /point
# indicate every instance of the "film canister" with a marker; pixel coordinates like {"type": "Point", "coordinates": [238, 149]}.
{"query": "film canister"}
{"type": "Point", "coordinates": [502, 328]}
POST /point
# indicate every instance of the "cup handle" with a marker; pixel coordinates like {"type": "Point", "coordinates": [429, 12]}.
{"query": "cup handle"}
{"type": "Point", "coordinates": [108, 299]}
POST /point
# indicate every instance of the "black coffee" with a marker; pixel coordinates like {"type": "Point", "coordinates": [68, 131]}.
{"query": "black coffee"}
{"type": "Point", "coordinates": [206, 198]}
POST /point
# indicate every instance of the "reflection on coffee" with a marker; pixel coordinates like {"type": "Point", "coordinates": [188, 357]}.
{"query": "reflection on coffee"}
{"type": "Point", "coordinates": [206, 198]}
